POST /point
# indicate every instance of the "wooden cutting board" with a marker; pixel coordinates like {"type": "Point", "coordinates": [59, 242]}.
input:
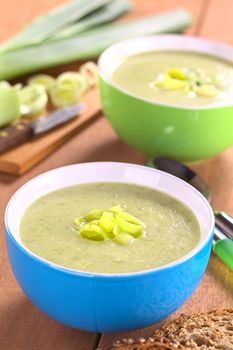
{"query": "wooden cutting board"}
{"type": "Point", "coordinates": [20, 159]}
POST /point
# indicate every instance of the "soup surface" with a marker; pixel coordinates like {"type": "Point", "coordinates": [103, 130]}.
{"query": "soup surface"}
{"type": "Point", "coordinates": [206, 79]}
{"type": "Point", "coordinates": [47, 228]}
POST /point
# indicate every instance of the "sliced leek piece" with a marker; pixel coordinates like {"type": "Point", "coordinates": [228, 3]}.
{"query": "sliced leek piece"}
{"type": "Point", "coordinates": [89, 70]}
{"type": "Point", "coordinates": [124, 238]}
{"type": "Point", "coordinates": [92, 232]}
{"type": "Point", "coordinates": [169, 83]}
{"type": "Point", "coordinates": [125, 226]}
{"type": "Point", "coordinates": [176, 73]}
{"type": "Point", "coordinates": [33, 100]}
{"type": "Point", "coordinates": [130, 218]}
{"type": "Point", "coordinates": [207, 90]}
{"type": "Point", "coordinates": [5, 83]}
{"type": "Point", "coordinates": [116, 230]}
{"type": "Point", "coordinates": [93, 215]}
{"type": "Point", "coordinates": [62, 95]}
{"type": "Point", "coordinates": [18, 86]}
{"type": "Point", "coordinates": [79, 221]}
{"type": "Point", "coordinates": [116, 209]}
{"type": "Point", "coordinates": [68, 89]}
{"type": "Point", "coordinates": [107, 222]}
{"type": "Point", "coordinates": [74, 80]}
{"type": "Point", "coordinates": [42, 79]}
{"type": "Point", "coordinates": [9, 104]}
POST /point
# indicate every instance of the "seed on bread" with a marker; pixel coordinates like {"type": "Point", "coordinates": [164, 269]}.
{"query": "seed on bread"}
{"type": "Point", "coordinates": [142, 344]}
{"type": "Point", "coordinates": [138, 345]}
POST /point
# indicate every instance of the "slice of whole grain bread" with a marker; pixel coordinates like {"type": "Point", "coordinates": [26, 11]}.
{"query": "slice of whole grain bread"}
{"type": "Point", "coordinates": [206, 331]}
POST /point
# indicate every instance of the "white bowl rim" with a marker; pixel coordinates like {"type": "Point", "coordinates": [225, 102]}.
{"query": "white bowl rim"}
{"type": "Point", "coordinates": [160, 174]}
{"type": "Point", "coordinates": [163, 42]}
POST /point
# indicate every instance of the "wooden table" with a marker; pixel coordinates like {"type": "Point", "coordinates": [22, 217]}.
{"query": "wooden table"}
{"type": "Point", "coordinates": [23, 326]}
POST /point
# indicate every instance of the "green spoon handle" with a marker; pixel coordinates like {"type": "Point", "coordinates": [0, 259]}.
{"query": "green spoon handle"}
{"type": "Point", "coordinates": [223, 248]}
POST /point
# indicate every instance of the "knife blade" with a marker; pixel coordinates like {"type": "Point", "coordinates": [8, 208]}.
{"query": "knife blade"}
{"type": "Point", "coordinates": [14, 135]}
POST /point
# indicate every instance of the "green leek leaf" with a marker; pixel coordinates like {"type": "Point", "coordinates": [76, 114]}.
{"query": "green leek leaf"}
{"type": "Point", "coordinates": [46, 25]}
{"type": "Point", "coordinates": [107, 13]}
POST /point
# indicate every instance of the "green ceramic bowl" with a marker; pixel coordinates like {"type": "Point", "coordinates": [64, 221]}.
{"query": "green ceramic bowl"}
{"type": "Point", "coordinates": [181, 132]}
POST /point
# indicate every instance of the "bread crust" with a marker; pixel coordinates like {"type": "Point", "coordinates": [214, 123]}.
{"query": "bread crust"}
{"type": "Point", "coordinates": [141, 344]}
{"type": "Point", "coordinates": [211, 330]}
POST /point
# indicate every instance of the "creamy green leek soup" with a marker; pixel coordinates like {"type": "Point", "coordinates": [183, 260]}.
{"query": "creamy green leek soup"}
{"type": "Point", "coordinates": [183, 78]}
{"type": "Point", "coordinates": [109, 228]}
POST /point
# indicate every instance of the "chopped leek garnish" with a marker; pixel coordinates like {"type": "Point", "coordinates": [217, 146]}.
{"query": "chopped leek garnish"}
{"type": "Point", "coordinates": [9, 103]}
{"type": "Point", "coordinates": [33, 100]}
{"type": "Point", "coordinates": [207, 90]}
{"type": "Point", "coordinates": [192, 82]}
{"type": "Point", "coordinates": [116, 209]}
{"type": "Point", "coordinates": [107, 221]}
{"type": "Point", "coordinates": [93, 215]}
{"type": "Point", "coordinates": [129, 218]}
{"type": "Point", "coordinates": [116, 229]}
{"type": "Point", "coordinates": [176, 73]}
{"type": "Point", "coordinates": [42, 79]}
{"type": "Point", "coordinates": [123, 238]}
{"type": "Point", "coordinates": [110, 224]}
{"type": "Point", "coordinates": [92, 232]}
{"type": "Point", "coordinates": [133, 229]}
{"type": "Point", "coordinates": [169, 83]}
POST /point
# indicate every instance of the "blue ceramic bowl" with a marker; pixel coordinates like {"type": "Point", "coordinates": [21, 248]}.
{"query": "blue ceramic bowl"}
{"type": "Point", "coordinates": [104, 302]}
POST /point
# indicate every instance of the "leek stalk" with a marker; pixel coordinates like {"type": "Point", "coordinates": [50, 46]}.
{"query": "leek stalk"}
{"type": "Point", "coordinates": [89, 44]}
{"type": "Point", "coordinates": [46, 25]}
{"type": "Point", "coordinates": [105, 14]}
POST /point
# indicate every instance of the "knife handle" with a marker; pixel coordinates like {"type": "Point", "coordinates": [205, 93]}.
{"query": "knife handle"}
{"type": "Point", "coordinates": [14, 135]}
{"type": "Point", "coordinates": [224, 250]}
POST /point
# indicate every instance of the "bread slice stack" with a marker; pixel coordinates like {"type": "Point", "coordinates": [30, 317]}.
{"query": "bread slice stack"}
{"type": "Point", "coordinates": [205, 331]}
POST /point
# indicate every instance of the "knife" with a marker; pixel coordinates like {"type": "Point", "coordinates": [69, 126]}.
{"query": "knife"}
{"type": "Point", "coordinates": [14, 135]}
